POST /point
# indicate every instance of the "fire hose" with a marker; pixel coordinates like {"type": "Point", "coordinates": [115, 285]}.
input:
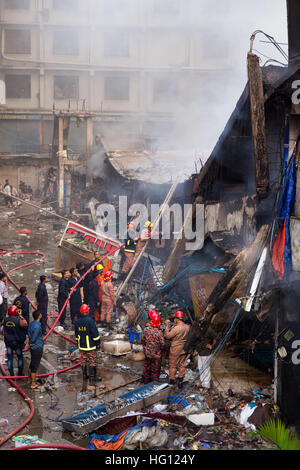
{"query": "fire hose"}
{"type": "Point", "coordinates": [9, 378]}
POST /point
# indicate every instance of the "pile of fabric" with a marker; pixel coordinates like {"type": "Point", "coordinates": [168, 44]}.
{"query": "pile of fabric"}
{"type": "Point", "coordinates": [148, 431]}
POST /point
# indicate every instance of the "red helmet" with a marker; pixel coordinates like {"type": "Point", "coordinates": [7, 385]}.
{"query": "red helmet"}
{"type": "Point", "coordinates": [13, 311]}
{"type": "Point", "coordinates": [151, 313]}
{"type": "Point", "coordinates": [155, 320]}
{"type": "Point", "coordinates": [179, 315]}
{"type": "Point", "coordinates": [84, 308]}
{"type": "Point", "coordinates": [108, 276]}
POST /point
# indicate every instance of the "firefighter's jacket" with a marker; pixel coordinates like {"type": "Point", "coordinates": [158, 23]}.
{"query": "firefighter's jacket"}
{"type": "Point", "coordinates": [130, 246]}
{"type": "Point", "coordinates": [86, 333]}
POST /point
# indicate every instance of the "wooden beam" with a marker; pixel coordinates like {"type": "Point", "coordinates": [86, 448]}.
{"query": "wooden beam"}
{"type": "Point", "coordinates": [258, 125]}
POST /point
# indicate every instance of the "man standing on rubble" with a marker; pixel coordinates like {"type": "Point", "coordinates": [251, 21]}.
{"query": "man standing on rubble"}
{"type": "Point", "coordinates": [129, 250]}
{"type": "Point", "coordinates": [88, 338]}
{"type": "Point", "coordinates": [177, 357]}
{"type": "Point", "coordinates": [77, 295]}
{"type": "Point", "coordinates": [203, 351]}
{"type": "Point", "coordinates": [153, 343]}
{"type": "Point", "coordinates": [63, 294]}
{"type": "Point", "coordinates": [23, 303]}
{"type": "Point", "coordinates": [7, 191]}
{"type": "Point", "coordinates": [89, 276]}
{"type": "Point", "coordinates": [41, 296]}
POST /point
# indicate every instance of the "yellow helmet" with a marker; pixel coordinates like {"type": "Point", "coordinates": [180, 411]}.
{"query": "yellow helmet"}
{"type": "Point", "coordinates": [100, 267]}
{"type": "Point", "coordinates": [148, 224]}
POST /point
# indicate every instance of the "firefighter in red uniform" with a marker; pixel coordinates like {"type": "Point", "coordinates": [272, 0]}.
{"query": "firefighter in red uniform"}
{"type": "Point", "coordinates": [177, 357]}
{"type": "Point", "coordinates": [153, 342]}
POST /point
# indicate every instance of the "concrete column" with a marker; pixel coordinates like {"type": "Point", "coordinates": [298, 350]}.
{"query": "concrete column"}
{"type": "Point", "coordinates": [89, 147]}
{"type": "Point", "coordinates": [61, 165]}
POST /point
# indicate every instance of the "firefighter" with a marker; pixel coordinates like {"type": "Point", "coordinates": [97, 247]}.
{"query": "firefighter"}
{"type": "Point", "coordinates": [88, 339]}
{"type": "Point", "coordinates": [153, 343]}
{"type": "Point", "coordinates": [177, 356]}
{"type": "Point", "coordinates": [14, 338]}
{"type": "Point", "coordinates": [102, 271]}
{"type": "Point", "coordinates": [108, 299]}
{"type": "Point", "coordinates": [129, 250]}
{"type": "Point", "coordinates": [23, 303]}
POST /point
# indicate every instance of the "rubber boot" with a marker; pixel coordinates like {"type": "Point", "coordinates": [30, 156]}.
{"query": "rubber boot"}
{"type": "Point", "coordinates": [180, 383]}
{"type": "Point", "coordinates": [93, 375]}
{"type": "Point", "coordinates": [11, 371]}
{"type": "Point", "coordinates": [20, 372]}
{"type": "Point", "coordinates": [84, 372]}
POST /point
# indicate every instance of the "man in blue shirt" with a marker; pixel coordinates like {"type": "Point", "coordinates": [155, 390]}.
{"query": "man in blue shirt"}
{"type": "Point", "coordinates": [35, 344]}
{"type": "Point", "coordinates": [13, 329]}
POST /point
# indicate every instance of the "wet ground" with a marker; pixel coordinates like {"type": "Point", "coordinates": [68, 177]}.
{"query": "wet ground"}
{"type": "Point", "coordinates": [65, 394]}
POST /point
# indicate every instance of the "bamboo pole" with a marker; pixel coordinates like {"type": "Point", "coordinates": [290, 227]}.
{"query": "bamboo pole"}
{"type": "Point", "coordinates": [36, 207]}
{"type": "Point", "coordinates": [116, 388]}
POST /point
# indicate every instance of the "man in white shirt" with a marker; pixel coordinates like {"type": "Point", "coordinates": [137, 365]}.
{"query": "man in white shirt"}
{"type": "Point", "coordinates": [7, 190]}
{"type": "Point", "coordinates": [4, 294]}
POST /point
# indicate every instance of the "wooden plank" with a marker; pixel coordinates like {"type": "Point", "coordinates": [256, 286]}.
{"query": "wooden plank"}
{"type": "Point", "coordinates": [258, 125]}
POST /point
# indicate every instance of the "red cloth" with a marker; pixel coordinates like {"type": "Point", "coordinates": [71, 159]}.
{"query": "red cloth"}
{"type": "Point", "coordinates": [278, 252]}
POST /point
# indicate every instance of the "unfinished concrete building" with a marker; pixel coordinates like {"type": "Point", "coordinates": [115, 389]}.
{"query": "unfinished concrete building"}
{"type": "Point", "coordinates": [132, 63]}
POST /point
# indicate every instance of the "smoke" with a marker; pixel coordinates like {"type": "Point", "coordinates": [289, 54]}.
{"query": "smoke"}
{"type": "Point", "coordinates": [205, 42]}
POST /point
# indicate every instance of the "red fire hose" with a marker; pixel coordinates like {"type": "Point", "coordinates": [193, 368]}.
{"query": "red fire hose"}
{"type": "Point", "coordinates": [9, 378]}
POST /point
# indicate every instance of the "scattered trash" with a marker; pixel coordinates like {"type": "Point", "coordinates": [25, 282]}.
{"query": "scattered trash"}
{"type": "Point", "coordinates": [245, 415]}
{"type": "Point", "coordinates": [26, 440]}
{"type": "Point", "coordinates": [204, 419]}
{"type": "Point", "coordinates": [3, 423]}
{"type": "Point", "coordinates": [160, 407]}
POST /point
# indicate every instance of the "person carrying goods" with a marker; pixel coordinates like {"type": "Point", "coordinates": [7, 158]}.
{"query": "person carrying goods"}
{"type": "Point", "coordinates": [93, 300]}
{"type": "Point", "coordinates": [35, 343]}
{"type": "Point", "coordinates": [203, 351]}
{"type": "Point", "coordinates": [77, 295]}
{"type": "Point", "coordinates": [14, 338]}
{"type": "Point", "coordinates": [63, 293]}
{"type": "Point", "coordinates": [129, 250]}
{"type": "Point", "coordinates": [108, 299]}
{"type": "Point", "coordinates": [102, 271]}
{"type": "Point", "coordinates": [41, 296]}
{"type": "Point", "coordinates": [177, 356]}
{"type": "Point", "coordinates": [23, 303]}
{"type": "Point", "coordinates": [153, 343]}
{"type": "Point", "coordinates": [88, 339]}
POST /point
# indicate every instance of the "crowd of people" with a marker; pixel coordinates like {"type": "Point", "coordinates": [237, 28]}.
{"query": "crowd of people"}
{"type": "Point", "coordinates": [88, 290]}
